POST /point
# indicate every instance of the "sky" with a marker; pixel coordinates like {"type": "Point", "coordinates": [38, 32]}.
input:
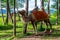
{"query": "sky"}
{"type": "Point", "coordinates": [31, 4]}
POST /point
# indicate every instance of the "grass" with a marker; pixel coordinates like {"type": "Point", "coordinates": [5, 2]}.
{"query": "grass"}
{"type": "Point", "coordinates": [6, 31]}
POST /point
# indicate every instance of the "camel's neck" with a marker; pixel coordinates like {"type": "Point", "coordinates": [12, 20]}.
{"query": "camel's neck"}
{"type": "Point", "coordinates": [24, 18]}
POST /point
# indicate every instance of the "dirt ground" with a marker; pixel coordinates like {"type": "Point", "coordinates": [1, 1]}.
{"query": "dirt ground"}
{"type": "Point", "coordinates": [39, 36]}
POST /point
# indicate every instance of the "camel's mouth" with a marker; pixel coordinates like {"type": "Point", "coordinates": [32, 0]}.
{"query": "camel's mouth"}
{"type": "Point", "coordinates": [22, 12]}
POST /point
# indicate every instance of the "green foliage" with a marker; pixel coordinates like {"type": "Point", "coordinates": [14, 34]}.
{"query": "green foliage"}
{"type": "Point", "coordinates": [59, 7]}
{"type": "Point", "coordinates": [45, 0]}
{"type": "Point", "coordinates": [54, 0]}
{"type": "Point", "coordinates": [11, 3]}
{"type": "Point", "coordinates": [6, 31]}
{"type": "Point", "coordinates": [53, 6]}
{"type": "Point", "coordinates": [22, 1]}
{"type": "Point", "coordinates": [3, 1]}
{"type": "Point", "coordinates": [3, 5]}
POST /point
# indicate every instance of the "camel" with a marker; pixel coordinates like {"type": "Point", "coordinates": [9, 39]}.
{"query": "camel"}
{"type": "Point", "coordinates": [34, 17]}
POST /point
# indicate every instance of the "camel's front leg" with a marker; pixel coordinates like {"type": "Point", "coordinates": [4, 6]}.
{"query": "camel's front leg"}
{"type": "Point", "coordinates": [46, 25]}
{"type": "Point", "coordinates": [50, 26]}
{"type": "Point", "coordinates": [25, 28]}
{"type": "Point", "coordinates": [34, 26]}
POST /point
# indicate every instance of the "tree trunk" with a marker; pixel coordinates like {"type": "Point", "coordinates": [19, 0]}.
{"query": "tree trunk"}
{"type": "Point", "coordinates": [42, 7]}
{"type": "Point", "coordinates": [49, 7]}
{"type": "Point", "coordinates": [17, 10]}
{"type": "Point", "coordinates": [57, 13]}
{"type": "Point", "coordinates": [18, 14]}
{"type": "Point", "coordinates": [2, 16]}
{"type": "Point", "coordinates": [2, 13]}
{"type": "Point", "coordinates": [35, 3]}
{"type": "Point", "coordinates": [59, 6]}
{"type": "Point", "coordinates": [8, 13]}
{"type": "Point", "coordinates": [27, 2]}
{"type": "Point", "coordinates": [25, 25]}
{"type": "Point", "coordinates": [14, 26]}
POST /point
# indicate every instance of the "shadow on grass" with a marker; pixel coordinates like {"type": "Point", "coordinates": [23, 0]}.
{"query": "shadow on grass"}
{"type": "Point", "coordinates": [5, 27]}
{"type": "Point", "coordinates": [55, 33]}
{"type": "Point", "coordinates": [8, 27]}
{"type": "Point", "coordinates": [6, 35]}
{"type": "Point", "coordinates": [19, 26]}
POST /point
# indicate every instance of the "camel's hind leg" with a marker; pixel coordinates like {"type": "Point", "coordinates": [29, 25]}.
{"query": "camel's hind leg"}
{"type": "Point", "coordinates": [46, 25]}
{"type": "Point", "coordinates": [25, 28]}
{"type": "Point", "coordinates": [50, 25]}
{"type": "Point", "coordinates": [34, 26]}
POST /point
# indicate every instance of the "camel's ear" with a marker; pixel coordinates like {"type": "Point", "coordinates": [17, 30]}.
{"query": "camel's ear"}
{"type": "Point", "coordinates": [18, 12]}
{"type": "Point", "coordinates": [23, 11]}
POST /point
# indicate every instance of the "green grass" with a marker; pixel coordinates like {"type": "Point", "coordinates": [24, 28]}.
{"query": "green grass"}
{"type": "Point", "coordinates": [6, 31]}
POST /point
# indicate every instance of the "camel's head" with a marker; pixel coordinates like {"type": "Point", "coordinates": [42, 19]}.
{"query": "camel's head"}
{"type": "Point", "coordinates": [22, 12]}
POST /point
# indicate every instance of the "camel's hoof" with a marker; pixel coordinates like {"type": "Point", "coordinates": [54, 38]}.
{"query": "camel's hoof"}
{"type": "Point", "coordinates": [45, 31]}
{"type": "Point", "coordinates": [33, 32]}
{"type": "Point", "coordinates": [36, 32]}
{"type": "Point", "coordinates": [50, 31]}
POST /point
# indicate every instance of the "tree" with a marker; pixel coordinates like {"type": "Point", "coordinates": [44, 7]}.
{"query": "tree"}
{"type": "Point", "coordinates": [42, 8]}
{"type": "Point", "coordinates": [27, 1]}
{"type": "Point", "coordinates": [2, 13]}
{"type": "Point", "coordinates": [25, 25]}
{"type": "Point", "coordinates": [17, 9]}
{"type": "Point", "coordinates": [35, 3]}
{"type": "Point", "coordinates": [42, 5]}
{"type": "Point", "coordinates": [49, 7]}
{"type": "Point", "coordinates": [20, 3]}
{"type": "Point", "coordinates": [57, 13]}
{"type": "Point", "coordinates": [8, 12]}
{"type": "Point", "coordinates": [14, 26]}
{"type": "Point", "coordinates": [59, 6]}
